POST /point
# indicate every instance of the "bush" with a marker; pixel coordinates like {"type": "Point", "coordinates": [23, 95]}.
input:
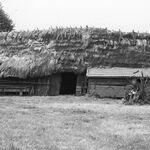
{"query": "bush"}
{"type": "Point", "coordinates": [136, 95]}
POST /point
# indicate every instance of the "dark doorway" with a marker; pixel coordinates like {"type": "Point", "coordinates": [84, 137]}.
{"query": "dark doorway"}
{"type": "Point", "coordinates": [68, 83]}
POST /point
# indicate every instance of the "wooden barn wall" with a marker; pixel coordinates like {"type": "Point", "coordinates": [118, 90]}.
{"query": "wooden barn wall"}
{"type": "Point", "coordinates": [12, 85]}
{"type": "Point", "coordinates": [55, 83]}
{"type": "Point", "coordinates": [41, 87]}
{"type": "Point", "coordinates": [107, 87]}
{"type": "Point", "coordinates": [36, 86]}
{"type": "Point", "coordinates": [48, 86]}
{"type": "Point", "coordinates": [147, 89]}
{"type": "Point", "coordinates": [81, 84]}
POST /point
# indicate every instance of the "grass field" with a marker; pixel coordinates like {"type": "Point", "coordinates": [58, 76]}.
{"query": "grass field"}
{"type": "Point", "coordinates": [72, 123]}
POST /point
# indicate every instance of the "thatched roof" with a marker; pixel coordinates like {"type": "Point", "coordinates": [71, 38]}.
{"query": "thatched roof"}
{"type": "Point", "coordinates": [40, 53]}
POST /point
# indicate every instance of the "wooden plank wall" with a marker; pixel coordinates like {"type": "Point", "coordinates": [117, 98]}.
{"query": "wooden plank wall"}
{"type": "Point", "coordinates": [47, 86]}
{"type": "Point", "coordinates": [81, 84]}
{"type": "Point", "coordinates": [107, 87]}
{"type": "Point", "coordinates": [55, 83]}
{"type": "Point", "coordinates": [147, 90]}
{"type": "Point", "coordinates": [14, 86]}
{"type": "Point", "coordinates": [37, 86]}
{"type": "Point", "coordinates": [41, 87]}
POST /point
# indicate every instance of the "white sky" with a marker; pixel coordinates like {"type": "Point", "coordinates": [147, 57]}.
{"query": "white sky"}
{"type": "Point", "coordinates": [113, 14]}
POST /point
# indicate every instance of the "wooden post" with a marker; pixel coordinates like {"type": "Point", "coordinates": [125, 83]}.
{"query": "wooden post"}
{"type": "Point", "coordinates": [80, 84]}
{"type": "Point", "coordinates": [20, 93]}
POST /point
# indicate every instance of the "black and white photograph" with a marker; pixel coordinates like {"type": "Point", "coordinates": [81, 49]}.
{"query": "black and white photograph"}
{"type": "Point", "coordinates": [74, 75]}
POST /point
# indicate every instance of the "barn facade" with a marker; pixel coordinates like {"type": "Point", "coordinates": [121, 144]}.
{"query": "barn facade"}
{"type": "Point", "coordinates": [112, 82]}
{"type": "Point", "coordinates": [65, 83]}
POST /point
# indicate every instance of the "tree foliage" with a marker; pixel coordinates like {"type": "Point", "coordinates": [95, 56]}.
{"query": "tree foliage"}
{"type": "Point", "coordinates": [6, 23]}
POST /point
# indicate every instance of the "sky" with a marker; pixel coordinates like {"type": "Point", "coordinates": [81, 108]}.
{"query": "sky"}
{"type": "Point", "coordinates": [125, 15]}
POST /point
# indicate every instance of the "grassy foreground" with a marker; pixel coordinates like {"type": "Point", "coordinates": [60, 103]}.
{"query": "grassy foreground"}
{"type": "Point", "coordinates": [72, 123]}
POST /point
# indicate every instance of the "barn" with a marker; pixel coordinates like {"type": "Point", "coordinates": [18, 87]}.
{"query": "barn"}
{"type": "Point", "coordinates": [112, 82]}
{"type": "Point", "coordinates": [55, 61]}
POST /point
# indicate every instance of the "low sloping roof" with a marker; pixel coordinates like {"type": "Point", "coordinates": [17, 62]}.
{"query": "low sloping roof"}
{"type": "Point", "coordinates": [117, 72]}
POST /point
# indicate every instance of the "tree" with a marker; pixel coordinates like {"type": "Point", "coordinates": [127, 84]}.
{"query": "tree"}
{"type": "Point", "coordinates": [6, 23]}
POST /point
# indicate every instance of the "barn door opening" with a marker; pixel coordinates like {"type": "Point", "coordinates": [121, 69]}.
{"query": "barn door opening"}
{"type": "Point", "coordinates": [68, 83]}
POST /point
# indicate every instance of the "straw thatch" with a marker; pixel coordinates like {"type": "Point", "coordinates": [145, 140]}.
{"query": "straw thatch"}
{"type": "Point", "coordinates": [42, 52]}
